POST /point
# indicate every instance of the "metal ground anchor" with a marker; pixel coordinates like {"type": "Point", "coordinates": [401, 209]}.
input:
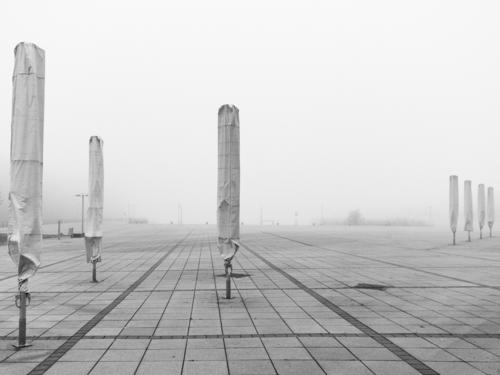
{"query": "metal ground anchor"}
{"type": "Point", "coordinates": [94, 271]}
{"type": "Point", "coordinates": [228, 268]}
{"type": "Point", "coordinates": [22, 300]}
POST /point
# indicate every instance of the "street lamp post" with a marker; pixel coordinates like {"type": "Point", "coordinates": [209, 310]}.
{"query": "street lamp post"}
{"type": "Point", "coordinates": [83, 203]}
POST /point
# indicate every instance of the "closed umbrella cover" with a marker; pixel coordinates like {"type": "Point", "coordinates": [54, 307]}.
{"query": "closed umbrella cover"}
{"type": "Point", "coordinates": [453, 203]}
{"type": "Point", "coordinates": [228, 181]}
{"type": "Point", "coordinates": [93, 226]}
{"type": "Point", "coordinates": [491, 207]}
{"type": "Point", "coordinates": [26, 161]}
{"type": "Point", "coordinates": [481, 206]}
{"type": "Point", "coordinates": [468, 210]}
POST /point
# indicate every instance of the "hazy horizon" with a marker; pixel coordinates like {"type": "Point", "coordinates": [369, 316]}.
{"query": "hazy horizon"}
{"type": "Point", "coordinates": [343, 105]}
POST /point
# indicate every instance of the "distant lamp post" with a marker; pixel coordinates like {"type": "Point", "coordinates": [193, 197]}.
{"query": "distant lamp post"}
{"type": "Point", "coordinates": [83, 212]}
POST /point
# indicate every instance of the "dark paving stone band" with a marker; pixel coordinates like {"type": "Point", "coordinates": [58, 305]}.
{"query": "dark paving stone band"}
{"type": "Point", "coordinates": [418, 365]}
{"type": "Point", "coordinates": [47, 363]}
{"type": "Point", "coordinates": [264, 335]}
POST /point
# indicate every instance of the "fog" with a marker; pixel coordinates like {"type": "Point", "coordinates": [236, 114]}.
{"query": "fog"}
{"type": "Point", "coordinates": [343, 105]}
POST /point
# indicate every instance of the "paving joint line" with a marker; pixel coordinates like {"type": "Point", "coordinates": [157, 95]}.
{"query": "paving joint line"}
{"type": "Point", "coordinates": [418, 365]}
{"type": "Point", "coordinates": [383, 261]}
{"type": "Point", "coordinates": [264, 335]}
{"type": "Point", "coordinates": [49, 361]}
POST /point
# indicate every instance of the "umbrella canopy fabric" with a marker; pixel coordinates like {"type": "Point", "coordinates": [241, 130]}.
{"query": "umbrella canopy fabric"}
{"type": "Point", "coordinates": [468, 210]}
{"type": "Point", "coordinates": [93, 231]}
{"type": "Point", "coordinates": [453, 203]}
{"type": "Point", "coordinates": [481, 206]}
{"type": "Point", "coordinates": [491, 207]}
{"type": "Point", "coordinates": [26, 161]}
{"type": "Point", "coordinates": [228, 181]}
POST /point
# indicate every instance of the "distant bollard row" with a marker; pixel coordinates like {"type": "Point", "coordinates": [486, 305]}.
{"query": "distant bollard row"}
{"type": "Point", "coordinates": [26, 170]}
{"type": "Point", "coordinates": [485, 208]}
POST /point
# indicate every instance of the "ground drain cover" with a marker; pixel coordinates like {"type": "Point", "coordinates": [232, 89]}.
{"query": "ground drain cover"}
{"type": "Point", "coordinates": [236, 275]}
{"type": "Point", "coordinates": [371, 286]}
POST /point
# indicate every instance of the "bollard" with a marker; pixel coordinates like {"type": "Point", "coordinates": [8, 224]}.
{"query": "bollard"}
{"type": "Point", "coordinates": [22, 300]}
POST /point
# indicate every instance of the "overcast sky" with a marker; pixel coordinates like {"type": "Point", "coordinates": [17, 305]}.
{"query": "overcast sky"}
{"type": "Point", "coordinates": [345, 104]}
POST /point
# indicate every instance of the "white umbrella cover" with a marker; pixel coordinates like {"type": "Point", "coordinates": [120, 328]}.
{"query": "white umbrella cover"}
{"type": "Point", "coordinates": [26, 161]}
{"type": "Point", "coordinates": [93, 227]}
{"type": "Point", "coordinates": [491, 208]}
{"type": "Point", "coordinates": [228, 181]}
{"type": "Point", "coordinates": [453, 203]}
{"type": "Point", "coordinates": [468, 210]}
{"type": "Point", "coordinates": [481, 207]}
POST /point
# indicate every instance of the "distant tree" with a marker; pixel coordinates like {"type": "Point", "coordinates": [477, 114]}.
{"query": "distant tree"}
{"type": "Point", "coordinates": [355, 218]}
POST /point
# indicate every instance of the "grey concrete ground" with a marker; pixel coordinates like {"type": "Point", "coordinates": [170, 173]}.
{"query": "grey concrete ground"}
{"type": "Point", "coordinates": [159, 306]}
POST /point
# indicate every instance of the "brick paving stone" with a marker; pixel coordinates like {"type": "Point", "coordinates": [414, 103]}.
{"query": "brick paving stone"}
{"type": "Point", "coordinates": [168, 344]}
{"type": "Point", "coordinates": [330, 354]}
{"type": "Point", "coordinates": [237, 354]}
{"type": "Point", "coordinates": [469, 355]}
{"type": "Point", "coordinates": [391, 367]}
{"type": "Point", "coordinates": [454, 368]}
{"type": "Point", "coordinates": [114, 368]}
{"type": "Point", "coordinates": [297, 367]}
{"type": "Point", "coordinates": [205, 367]}
{"type": "Point", "coordinates": [160, 368]}
{"type": "Point", "coordinates": [82, 355]}
{"type": "Point", "coordinates": [288, 353]}
{"type": "Point", "coordinates": [320, 342]}
{"type": "Point", "coordinates": [281, 342]}
{"type": "Point", "coordinates": [490, 368]}
{"type": "Point", "coordinates": [344, 367]}
{"type": "Point", "coordinates": [73, 368]}
{"type": "Point", "coordinates": [119, 355]}
{"type": "Point", "coordinates": [374, 354]}
{"type": "Point", "coordinates": [16, 368]}
{"type": "Point", "coordinates": [253, 367]}
{"type": "Point", "coordinates": [160, 355]}
{"type": "Point", "coordinates": [199, 354]}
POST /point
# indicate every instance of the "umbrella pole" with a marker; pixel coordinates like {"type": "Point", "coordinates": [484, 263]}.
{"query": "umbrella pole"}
{"type": "Point", "coordinates": [228, 267]}
{"type": "Point", "coordinates": [468, 232]}
{"type": "Point", "coordinates": [454, 242]}
{"type": "Point", "coordinates": [21, 303]}
{"type": "Point", "coordinates": [480, 234]}
{"type": "Point", "coordinates": [94, 271]}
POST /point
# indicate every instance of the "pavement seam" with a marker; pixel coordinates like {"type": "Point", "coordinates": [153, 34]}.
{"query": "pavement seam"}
{"type": "Point", "coordinates": [421, 367]}
{"type": "Point", "coordinates": [49, 361]}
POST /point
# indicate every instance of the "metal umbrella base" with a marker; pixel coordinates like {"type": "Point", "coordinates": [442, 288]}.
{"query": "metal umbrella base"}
{"type": "Point", "coordinates": [22, 300]}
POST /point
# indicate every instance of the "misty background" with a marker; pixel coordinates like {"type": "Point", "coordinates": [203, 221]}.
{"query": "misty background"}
{"type": "Point", "coordinates": [343, 105]}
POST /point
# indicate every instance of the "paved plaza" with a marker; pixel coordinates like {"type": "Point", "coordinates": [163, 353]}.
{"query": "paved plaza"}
{"type": "Point", "coordinates": [306, 300]}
